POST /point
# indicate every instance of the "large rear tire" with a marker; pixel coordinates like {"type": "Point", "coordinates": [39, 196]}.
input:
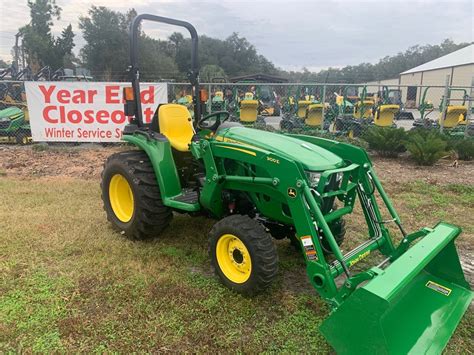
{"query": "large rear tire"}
{"type": "Point", "coordinates": [131, 196]}
{"type": "Point", "coordinates": [243, 254]}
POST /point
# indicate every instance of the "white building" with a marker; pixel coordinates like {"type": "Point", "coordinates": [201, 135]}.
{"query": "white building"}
{"type": "Point", "coordinates": [459, 65]}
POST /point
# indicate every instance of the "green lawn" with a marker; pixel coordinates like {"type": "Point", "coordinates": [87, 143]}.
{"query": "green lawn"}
{"type": "Point", "coordinates": [70, 283]}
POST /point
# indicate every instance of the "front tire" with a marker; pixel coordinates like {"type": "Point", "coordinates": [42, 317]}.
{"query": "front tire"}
{"type": "Point", "coordinates": [243, 254]}
{"type": "Point", "coordinates": [131, 196]}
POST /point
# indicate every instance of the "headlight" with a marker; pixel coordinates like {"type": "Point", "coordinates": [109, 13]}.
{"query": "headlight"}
{"type": "Point", "coordinates": [313, 178]}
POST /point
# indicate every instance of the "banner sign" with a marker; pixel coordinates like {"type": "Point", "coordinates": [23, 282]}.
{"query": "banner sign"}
{"type": "Point", "coordinates": [85, 111]}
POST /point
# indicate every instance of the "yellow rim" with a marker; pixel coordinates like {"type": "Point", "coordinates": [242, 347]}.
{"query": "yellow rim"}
{"type": "Point", "coordinates": [121, 198]}
{"type": "Point", "coordinates": [233, 258]}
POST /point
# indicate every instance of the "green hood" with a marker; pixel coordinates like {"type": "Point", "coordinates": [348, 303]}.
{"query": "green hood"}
{"type": "Point", "coordinates": [311, 156]}
{"type": "Point", "coordinates": [11, 113]}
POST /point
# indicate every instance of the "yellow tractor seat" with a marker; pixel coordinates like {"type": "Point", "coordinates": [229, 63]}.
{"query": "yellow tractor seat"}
{"type": "Point", "coordinates": [365, 106]}
{"type": "Point", "coordinates": [385, 115]}
{"type": "Point", "coordinates": [314, 115]}
{"type": "Point", "coordinates": [302, 106]}
{"type": "Point", "coordinates": [176, 124]}
{"type": "Point", "coordinates": [248, 111]}
{"type": "Point", "coordinates": [453, 114]}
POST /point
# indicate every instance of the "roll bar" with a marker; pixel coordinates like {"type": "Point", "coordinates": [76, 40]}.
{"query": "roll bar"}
{"type": "Point", "coordinates": [135, 72]}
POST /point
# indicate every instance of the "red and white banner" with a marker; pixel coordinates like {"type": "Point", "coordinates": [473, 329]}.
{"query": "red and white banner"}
{"type": "Point", "coordinates": [84, 111]}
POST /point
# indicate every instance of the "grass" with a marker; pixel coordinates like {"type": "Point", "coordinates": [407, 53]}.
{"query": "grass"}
{"type": "Point", "coordinates": [69, 283]}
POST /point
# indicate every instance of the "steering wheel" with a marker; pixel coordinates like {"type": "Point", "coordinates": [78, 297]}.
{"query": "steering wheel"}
{"type": "Point", "coordinates": [202, 122]}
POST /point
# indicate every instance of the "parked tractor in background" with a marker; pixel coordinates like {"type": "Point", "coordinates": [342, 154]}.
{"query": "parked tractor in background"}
{"type": "Point", "coordinates": [308, 112]}
{"type": "Point", "coordinates": [452, 117]}
{"type": "Point", "coordinates": [14, 117]}
{"type": "Point", "coordinates": [14, 126]}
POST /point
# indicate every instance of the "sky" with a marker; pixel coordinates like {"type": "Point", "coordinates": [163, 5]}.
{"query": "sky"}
{"type": "Point", "coordinates": [291, 34]}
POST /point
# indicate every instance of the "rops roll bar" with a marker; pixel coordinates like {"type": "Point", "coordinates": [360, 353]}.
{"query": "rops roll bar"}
{"type": "Point", "coordinates": [135, 72]}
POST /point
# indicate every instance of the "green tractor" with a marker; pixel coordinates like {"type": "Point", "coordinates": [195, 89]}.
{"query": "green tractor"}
{"type": "Point", "coordinates": [310, 112]}
{"type": "Point", "coordinates": [259, 185]}
{"type": "Point", "coordinates": [451, 116]}
{"type": "Point", "coordinates": [13, 125]}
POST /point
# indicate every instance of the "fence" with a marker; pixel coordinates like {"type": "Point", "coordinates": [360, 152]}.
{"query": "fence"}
{"type": "Point", "coordinates": [332, 109]}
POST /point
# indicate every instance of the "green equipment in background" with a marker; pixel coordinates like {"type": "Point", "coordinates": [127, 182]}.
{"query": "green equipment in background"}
{"type": "Point", "coordinates": [307, 111]}
{"type": "Point", "coordinates": [13, 125]}
{"type": "Point", "coordinates": [384, 111]}
{"type": "Point", "coordinates": [259, 185]}
{"type": "Point", "coordinates": [451, 116]}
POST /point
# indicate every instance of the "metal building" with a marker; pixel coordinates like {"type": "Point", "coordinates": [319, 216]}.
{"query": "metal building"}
{"type": "Point", "coordinates": [459, 65]}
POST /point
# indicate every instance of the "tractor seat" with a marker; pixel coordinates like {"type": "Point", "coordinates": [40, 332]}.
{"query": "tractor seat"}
{"type": "Point", "coordinates": [314, 115]}
{"type": "Point", "coordinates": [176, 124]}
{"type": "Point", "coordinates": [248, 111]}
{"type": "Point", "coordinates": [302, 106]}
{"type": "Point", "coordinates": [385, 115]}
{"type": "Point", "coordinates": [453, 113]}
{"type": "Point", "coordinates": [363, 106]}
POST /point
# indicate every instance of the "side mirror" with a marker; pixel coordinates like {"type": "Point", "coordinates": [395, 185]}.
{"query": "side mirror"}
{"type": "Point", "coordinates": [130, 107]}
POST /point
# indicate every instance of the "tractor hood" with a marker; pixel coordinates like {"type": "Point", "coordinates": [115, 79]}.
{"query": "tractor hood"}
{"type": "Point", "coordinates": [311, 156]}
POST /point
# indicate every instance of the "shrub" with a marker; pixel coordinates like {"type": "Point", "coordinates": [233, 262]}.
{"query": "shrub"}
{"type": "Point", "coordinates": [426, 146]}
{"type": "Point", "coordinates": [464, 147]}
{"type": "Point", "coordinates": [388, 142]}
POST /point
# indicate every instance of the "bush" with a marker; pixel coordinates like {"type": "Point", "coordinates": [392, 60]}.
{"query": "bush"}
{"type": "Point", "coordinates": [464, 147]}
{"type": "Point", "coordinates": [426, 146]}
{"type": "Point", "coordinates": [388, 142]}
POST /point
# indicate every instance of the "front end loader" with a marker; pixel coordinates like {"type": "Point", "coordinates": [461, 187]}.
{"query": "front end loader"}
{"type": "Point", "coordinates": [259, 185]}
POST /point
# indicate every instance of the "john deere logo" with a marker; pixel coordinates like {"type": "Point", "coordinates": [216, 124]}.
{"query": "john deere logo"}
{"type": "Point", "coordinates": [291, 192]}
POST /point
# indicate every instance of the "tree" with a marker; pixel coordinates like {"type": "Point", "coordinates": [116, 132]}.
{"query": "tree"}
{"type": "Point", "coordinates": [106, 52]}
{"type": "Point", "coordinates": [211, 71]}
{"type": "Point", "coordinates": [106, 36]}
{"type": "Point", "coordinates": [387, 68]}
{"type": "Point", "coordinates": [40, 47]}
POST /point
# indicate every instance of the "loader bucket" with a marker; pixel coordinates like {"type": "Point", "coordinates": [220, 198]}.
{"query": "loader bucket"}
{"type": "Point", "coordinates": [413, 306]}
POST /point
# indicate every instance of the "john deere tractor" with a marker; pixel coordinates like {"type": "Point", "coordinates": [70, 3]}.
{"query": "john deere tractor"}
{"type": "Point", "coordinates": [258, 185]}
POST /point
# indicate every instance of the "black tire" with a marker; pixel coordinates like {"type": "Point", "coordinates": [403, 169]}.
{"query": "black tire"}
{"type": "Point", "coordinates": [260, 247]}
{"type": "Point", "coordinates": [277, 110]}
{"type": "Point", "coordinates": [150, 217]}
{"type": "Point", "coordinates": [22, 138]}
{"type": "Point", "coordinates": [286, 124]}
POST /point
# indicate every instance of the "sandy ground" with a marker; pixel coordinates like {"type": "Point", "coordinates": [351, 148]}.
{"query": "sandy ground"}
{"type": "Point", "coordinates": [86, 161]}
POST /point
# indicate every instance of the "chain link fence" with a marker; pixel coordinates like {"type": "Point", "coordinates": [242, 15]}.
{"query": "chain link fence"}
{"type": "Point", "coordinates": [329, 110]}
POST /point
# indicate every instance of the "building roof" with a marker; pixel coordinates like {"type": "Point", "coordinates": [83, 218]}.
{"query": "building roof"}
{"type": "Point", "coordinates": [259, 78]}
{"type": "Point", "coordinates": [462, 56]}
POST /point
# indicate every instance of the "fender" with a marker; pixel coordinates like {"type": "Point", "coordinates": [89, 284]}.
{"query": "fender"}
{"type": "Point", "coordinates": [159, 153]}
